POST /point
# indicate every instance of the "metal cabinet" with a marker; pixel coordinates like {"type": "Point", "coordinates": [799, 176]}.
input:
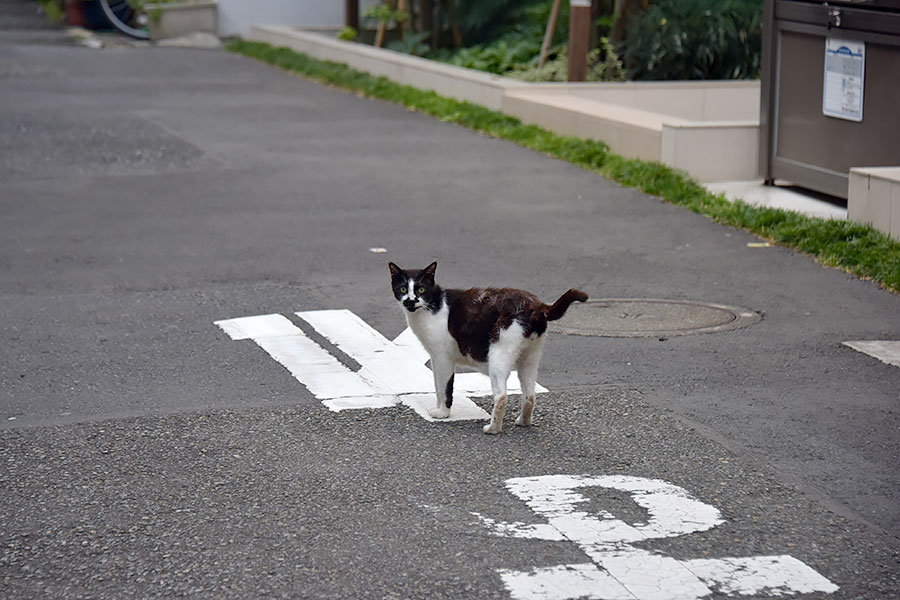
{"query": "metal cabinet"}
{"type": "Point", "coordinates": [798, 141]}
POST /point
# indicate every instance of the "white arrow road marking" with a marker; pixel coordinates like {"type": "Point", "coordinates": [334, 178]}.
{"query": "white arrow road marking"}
{"type": "Point", "coordinates": [563, 582]}
{"type": "Point", "coordinates": [312, 366]}
{"type": "Point", "coordinates": [886, 352]}
{"type": "Point", "coordinates": [469, 383]}
{"type": "Point", "coordinates": [391, 372]}
{"type": "Point", "coordinates": [771, 575]}
{"type": "Point", "coordinates": [393, 367]}
{"type": "Point", "coordinates": [381, 360]}
{"type": "Point", "coordinates": [618, 569]}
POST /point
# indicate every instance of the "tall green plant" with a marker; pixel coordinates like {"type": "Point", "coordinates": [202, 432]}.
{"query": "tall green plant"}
{"type": "Point", "coordinates": [477, 18]}
{"type": "Point", "coordinates": [695, 39]}
{"type": "Point", "coordinates": [54, 10]}
{"type": "Point", "coordinates": [412, 43]}
{"type": "Point", "coordinates": [603, 65]}
{"type": "Point", "coordinates": [499, 57]}
{"type": "Point", "coordinates": [483, 21]}
{"type": "Point", "coordinates": [514, 41]}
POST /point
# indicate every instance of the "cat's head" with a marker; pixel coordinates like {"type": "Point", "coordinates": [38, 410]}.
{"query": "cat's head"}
{"type": "Point", "coordinates": [414, 288]}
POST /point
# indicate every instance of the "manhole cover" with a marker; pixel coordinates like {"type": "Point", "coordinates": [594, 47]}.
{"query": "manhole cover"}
{"type": "Point", "coordinates": [648, 317]}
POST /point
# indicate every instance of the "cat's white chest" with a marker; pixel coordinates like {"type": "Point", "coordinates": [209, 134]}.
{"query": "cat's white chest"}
{"type": "Point", "coordinates": [431, 329]}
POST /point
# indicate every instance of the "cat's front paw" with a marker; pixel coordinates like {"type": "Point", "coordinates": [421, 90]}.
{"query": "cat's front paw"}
{"type": "Point", "coordinates": [492, 429]}
{"type": "Point", "coordinates": [439, 413]}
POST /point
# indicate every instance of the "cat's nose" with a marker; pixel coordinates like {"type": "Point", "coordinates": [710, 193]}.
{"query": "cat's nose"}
{"type": "Point", "coordinates": [409, 304]}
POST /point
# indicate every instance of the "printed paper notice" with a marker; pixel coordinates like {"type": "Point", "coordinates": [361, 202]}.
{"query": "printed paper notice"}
{"type": "Point", "coordinates": [845, 69]}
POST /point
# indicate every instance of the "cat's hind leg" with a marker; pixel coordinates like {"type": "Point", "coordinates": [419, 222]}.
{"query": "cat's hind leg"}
{"type": "Point", "coordinates": [502, 357]}
{"type": "Point", "coordinates": [498, 377]}
{"type": "Point", "coordinates": [527, 369]}
{"type": "Point", "coordinates": [443, 388]}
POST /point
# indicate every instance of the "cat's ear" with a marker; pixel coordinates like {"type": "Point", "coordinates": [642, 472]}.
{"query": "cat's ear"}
{"type": "Point", "coordinates": [429, 270]}
{"type": "Point", "coordinates": [395, 270]}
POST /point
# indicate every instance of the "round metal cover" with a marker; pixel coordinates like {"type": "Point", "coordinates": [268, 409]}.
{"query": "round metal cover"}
{"type": "Point", "coordinates": [651, 317]}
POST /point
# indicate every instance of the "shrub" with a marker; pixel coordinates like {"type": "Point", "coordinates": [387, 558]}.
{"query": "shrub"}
{"type": "Point", "coordinates": [412, 43]}
{"type": "Point", "coordinates": [515, 31]}
{"type": "Point", "coordinates": [482, 20]}
{"type": "Point", "coordinates": [54, 10]}
{"type": "Point", "coordinates": [694, 39]}
{"type": "Point", "coordinates": [348, 34]}
{"type": "Point", "coordinates": [603, 65]}
{"type": "Point", "coordinates": [499, 57]}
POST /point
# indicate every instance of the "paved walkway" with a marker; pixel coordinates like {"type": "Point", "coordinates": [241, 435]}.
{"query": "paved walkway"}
{"type": "Point", "coordinates": [783, 196]}
{"type": "Point", "coordinates": [149, 193]}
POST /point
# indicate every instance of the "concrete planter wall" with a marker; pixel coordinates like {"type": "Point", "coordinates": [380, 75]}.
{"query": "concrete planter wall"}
{"type": "Point", "coordinates": [709, 129]}
{"type": "Point", "coordinates": [169, 20]}
{"type": "Point", "coordinates": [712, 151]}
{"type": "Point", "coordinates": [454, 82]}
{"type": "Point", "coordinates": [874, 198]}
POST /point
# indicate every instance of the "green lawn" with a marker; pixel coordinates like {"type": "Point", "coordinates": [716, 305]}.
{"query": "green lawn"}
{"type": "Point", "coordinates": [856, 248]}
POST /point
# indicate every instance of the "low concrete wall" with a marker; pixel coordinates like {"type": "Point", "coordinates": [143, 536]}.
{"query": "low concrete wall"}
{"type": "Point", "coordinates": [455, 82]}
{"type": "Point", "coordinates": [689, 100]}
{"type": "Point", "coordinates": [707, 150]}
{"type": "Point", "coordinates": [170, 20]}
{"type": "Point", "coordinates": [874, 198]}
{"type": "Point", "coordinates": [712, 151]}
{"type": "Point", "coordinates": [627, 131]}
{"type": "Point", "coordinates": [710, 129]}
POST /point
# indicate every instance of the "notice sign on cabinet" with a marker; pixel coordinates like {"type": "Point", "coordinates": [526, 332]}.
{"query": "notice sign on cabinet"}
{"type": "Point", "coordinates": [845, 69]}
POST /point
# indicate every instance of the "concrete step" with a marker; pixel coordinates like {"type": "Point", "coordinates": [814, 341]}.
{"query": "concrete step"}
{"type": "Point", "coordinates": [35, 37]}
{"type": "Point", "coordinates": [22, 14]}
{"type": "Point", "coordinates": [24, 22]}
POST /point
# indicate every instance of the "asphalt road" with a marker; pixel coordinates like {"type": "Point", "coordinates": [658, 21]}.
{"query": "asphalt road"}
{"type": "Point", "coordinates": [146, 193]}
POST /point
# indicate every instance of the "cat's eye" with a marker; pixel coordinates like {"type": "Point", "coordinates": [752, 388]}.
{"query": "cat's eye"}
{"type": "Point", "coordinates": [403, 289]}
{"type": "Point", "coordinates": [421, 290]}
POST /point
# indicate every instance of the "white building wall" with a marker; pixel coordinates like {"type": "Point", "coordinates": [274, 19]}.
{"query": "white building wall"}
{"type": "Point", "coordinates": [236, 16]}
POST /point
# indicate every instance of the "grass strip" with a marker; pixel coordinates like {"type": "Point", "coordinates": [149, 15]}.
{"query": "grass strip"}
{"type": "Point", "coordinates": [856, 248]}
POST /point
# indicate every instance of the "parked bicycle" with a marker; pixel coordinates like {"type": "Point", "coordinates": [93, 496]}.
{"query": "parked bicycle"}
{"type": "Point", "coordinates": [128, 17]}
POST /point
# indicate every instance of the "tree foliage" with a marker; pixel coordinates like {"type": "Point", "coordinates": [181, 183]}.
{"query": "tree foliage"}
{"type": "Point", "coordinates": [694, 39]}
{"type": "Point", "coordinates": [653, 39]}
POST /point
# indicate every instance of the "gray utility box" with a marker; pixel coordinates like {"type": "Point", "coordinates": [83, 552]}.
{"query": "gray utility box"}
{"type": "Point", "coordinates": [830, 90]}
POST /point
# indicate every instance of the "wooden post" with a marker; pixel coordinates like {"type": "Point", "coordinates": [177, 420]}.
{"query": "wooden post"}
{"type": "Point", "coordinates": [401, 7]}
{"type": "Point", "coordinates": [454, 24]}
{"type": "Point", "coordinates": [579, 38]}
{"type": "Point", "coordinates": [548, 34]}
{"type": "Point", "coordinates": [426, 20]}
{"type": "Point", "coordinates": [351, 14]}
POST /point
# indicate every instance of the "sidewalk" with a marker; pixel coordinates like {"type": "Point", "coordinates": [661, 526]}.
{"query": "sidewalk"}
{"type": "Point", "coordinates": [781, 195]}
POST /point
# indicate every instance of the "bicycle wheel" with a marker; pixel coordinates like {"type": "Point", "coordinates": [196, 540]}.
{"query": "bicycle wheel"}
{"type": "Point", "coordinates": [127, 16]}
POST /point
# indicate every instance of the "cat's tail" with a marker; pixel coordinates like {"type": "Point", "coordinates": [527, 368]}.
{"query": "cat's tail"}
{"type": "Point", "coordinates": [559, 308]}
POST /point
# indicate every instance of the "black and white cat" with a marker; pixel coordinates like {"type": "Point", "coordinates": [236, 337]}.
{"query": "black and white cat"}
{"type": "Point", "coordinates": [493, 330]}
